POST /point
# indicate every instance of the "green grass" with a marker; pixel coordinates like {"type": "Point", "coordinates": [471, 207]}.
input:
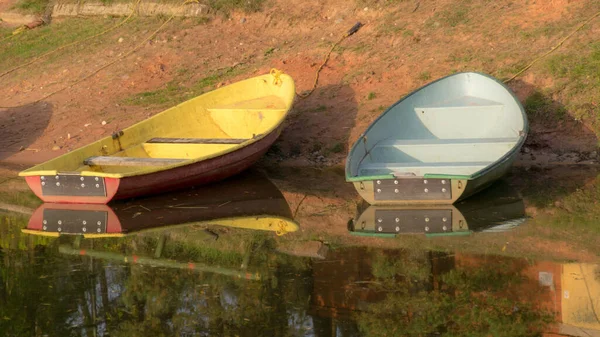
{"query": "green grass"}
{"type": "Point", "coordinates": [222, 6]}
{"type": "Point", "coordinates": [454, 15]}
{"type": "Point", "coordinates": [424, 76]}
{"type": "Point", "coordinates": [227, 6]}
{"type": "Point", "coordinates": [175, 92]}
{"type": "Point", "coordinates": [540, 106]}
{"type": "Point", "coordinates": [337, 148]}
{"type": "Point", "coordinates": [385, 3]}
{"type": "Point", "coordinates": [371, 96]}
{"type": "Point", "coordinates": [32, 6]}
{"type": "Point", "coordinates": [38, 41]}
{"type": "Point", "coordinates": [269, 51]}
{"type": "Point", "coordinates": [576, 72]}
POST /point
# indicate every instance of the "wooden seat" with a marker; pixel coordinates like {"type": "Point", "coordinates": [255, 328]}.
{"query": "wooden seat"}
{"type": "Point", "coordinates": [130, 161]}
{"type": "Point", "coordinates": [198, 140]}
{"type": "Point", "coordinates": [421, 169]}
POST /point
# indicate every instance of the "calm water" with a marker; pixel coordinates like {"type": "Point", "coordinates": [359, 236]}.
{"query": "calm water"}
{"type": "Point", "coordinates": [231, 261]}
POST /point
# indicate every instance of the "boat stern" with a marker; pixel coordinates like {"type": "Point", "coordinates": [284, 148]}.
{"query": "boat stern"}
{"type": "Point", "coordinates": [406, 191]}
{"type": "Point", "coordinates": [73, 188]}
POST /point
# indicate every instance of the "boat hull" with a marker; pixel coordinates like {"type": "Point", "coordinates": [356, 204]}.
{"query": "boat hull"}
{"type": "Point", "coordinates": [199, 173]}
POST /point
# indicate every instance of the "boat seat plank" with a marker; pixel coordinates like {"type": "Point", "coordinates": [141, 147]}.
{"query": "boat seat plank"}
{"type": "Point", "coordinates": [421, 169]}
{"type": "Point", "coordinates": [462, 102]}
{"type": "Point", "coordinates": [437, 141]}
{"type": "Point", "coordinates": [441, 150]}
{"type": "Point", "coordinates": [130, 161]}
{"type": "Point", "coordinates": [198, 140]}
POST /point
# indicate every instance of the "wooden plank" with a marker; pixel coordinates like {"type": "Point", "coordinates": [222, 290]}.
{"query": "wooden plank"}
{"type": "Point", "coordinates": [198, 140]}
{"type": "Point", "coordinates": [130, 161]}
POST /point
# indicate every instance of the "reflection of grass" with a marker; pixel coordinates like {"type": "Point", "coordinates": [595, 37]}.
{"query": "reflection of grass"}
{"type": "Point", "coordinates": [20, 198]}
{"type": "Point", "coordinates": [461, 301]}
{"type": "Point", "coordinates": [578, 214]}
{"type": "Point", "coordinates": [11, 236]}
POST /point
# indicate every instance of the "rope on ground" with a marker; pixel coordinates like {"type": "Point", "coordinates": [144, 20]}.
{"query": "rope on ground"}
{"type": "Point", "coordinates": [554, 48]}
{"type": "Point", "coordinates": [352, 30]}
{"type": "Point", "coordinates": [35, 59]}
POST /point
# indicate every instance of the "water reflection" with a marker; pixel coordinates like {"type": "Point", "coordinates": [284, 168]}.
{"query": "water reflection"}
{"type": "Point", "coordinates": [498, 208]}
{"type": "Point", "coordinates": [354, 291]}
{"type": "Point", "coordinates": [186, 264]}
{"type": "Point", "coordinates": [249, 200]}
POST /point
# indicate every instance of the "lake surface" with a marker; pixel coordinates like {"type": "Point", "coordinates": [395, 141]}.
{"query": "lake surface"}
{"type": "Point", "coordinates": [256, 257]}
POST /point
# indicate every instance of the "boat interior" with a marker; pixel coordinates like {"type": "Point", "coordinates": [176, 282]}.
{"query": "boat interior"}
{"type": "Point", "coordinates": [457, 126]}
{"type": "Point", "coordinates": [207, 126]}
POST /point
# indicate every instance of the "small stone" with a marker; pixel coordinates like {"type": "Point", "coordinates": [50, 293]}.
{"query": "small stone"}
{"type": "Point", "coordinates": [366, 9]}
{"type": "Point", "coordinates": [68, 136]}
{"type": "Point", "coordinates": [526, 150]}
{"type": "Point", "coordinates": [243, 20]}
{"type": "Point", "coordinates": [55, 148]}
{"type": "Point", "coordinates": [593, 154]}
{"type": "Point", "coordinates": [103, 122]}
{"type": "Point", "coordinates": [339, 20]}
{"type": "Point", "coordinates": [22, 148]}
{"type": "Point", "coordinates": [120, 40]}
{"type": "Point", "coordinates": [87, 124]}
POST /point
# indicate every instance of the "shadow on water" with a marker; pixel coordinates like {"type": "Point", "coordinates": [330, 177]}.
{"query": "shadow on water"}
{"type": "Point", "coordinates": [22, 126]}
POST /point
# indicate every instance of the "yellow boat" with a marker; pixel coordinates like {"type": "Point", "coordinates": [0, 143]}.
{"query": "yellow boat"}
{"type": "Point", "coordinates": [206, 139]}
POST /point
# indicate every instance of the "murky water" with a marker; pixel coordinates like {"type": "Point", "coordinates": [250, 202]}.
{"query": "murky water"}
{"type": "Point", "coordinates": [235, 259]}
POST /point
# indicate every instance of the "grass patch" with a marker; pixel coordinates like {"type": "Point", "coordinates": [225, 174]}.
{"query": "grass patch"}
{"type": "Point", "coordinates": [175, 92]}
{"type": "Point", "coordinates": [424, 76]}
{"type": "Point", "coordinates": [454, 16]}
{"type": "Point", "coordinates": [32, 6]}
{"type": "Point", "coordinates": [540, 106]}
{"type": "Point", "coordinates": [578, 214]}
{"type": "Point", "coordinates": [269, 51]}
{"type": "Point", "coordinates": [337, 148]}
{"type": "Point", "coordinates": [371, 96]}
{"type": "Point", "coordinates": [227, 6]}
{"type": "Point", "coordinates": [35, 42]}
{"type": "Point", "coordinates": [577, 77]}
{"type": "Point", "coordinates": [384, 3]}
